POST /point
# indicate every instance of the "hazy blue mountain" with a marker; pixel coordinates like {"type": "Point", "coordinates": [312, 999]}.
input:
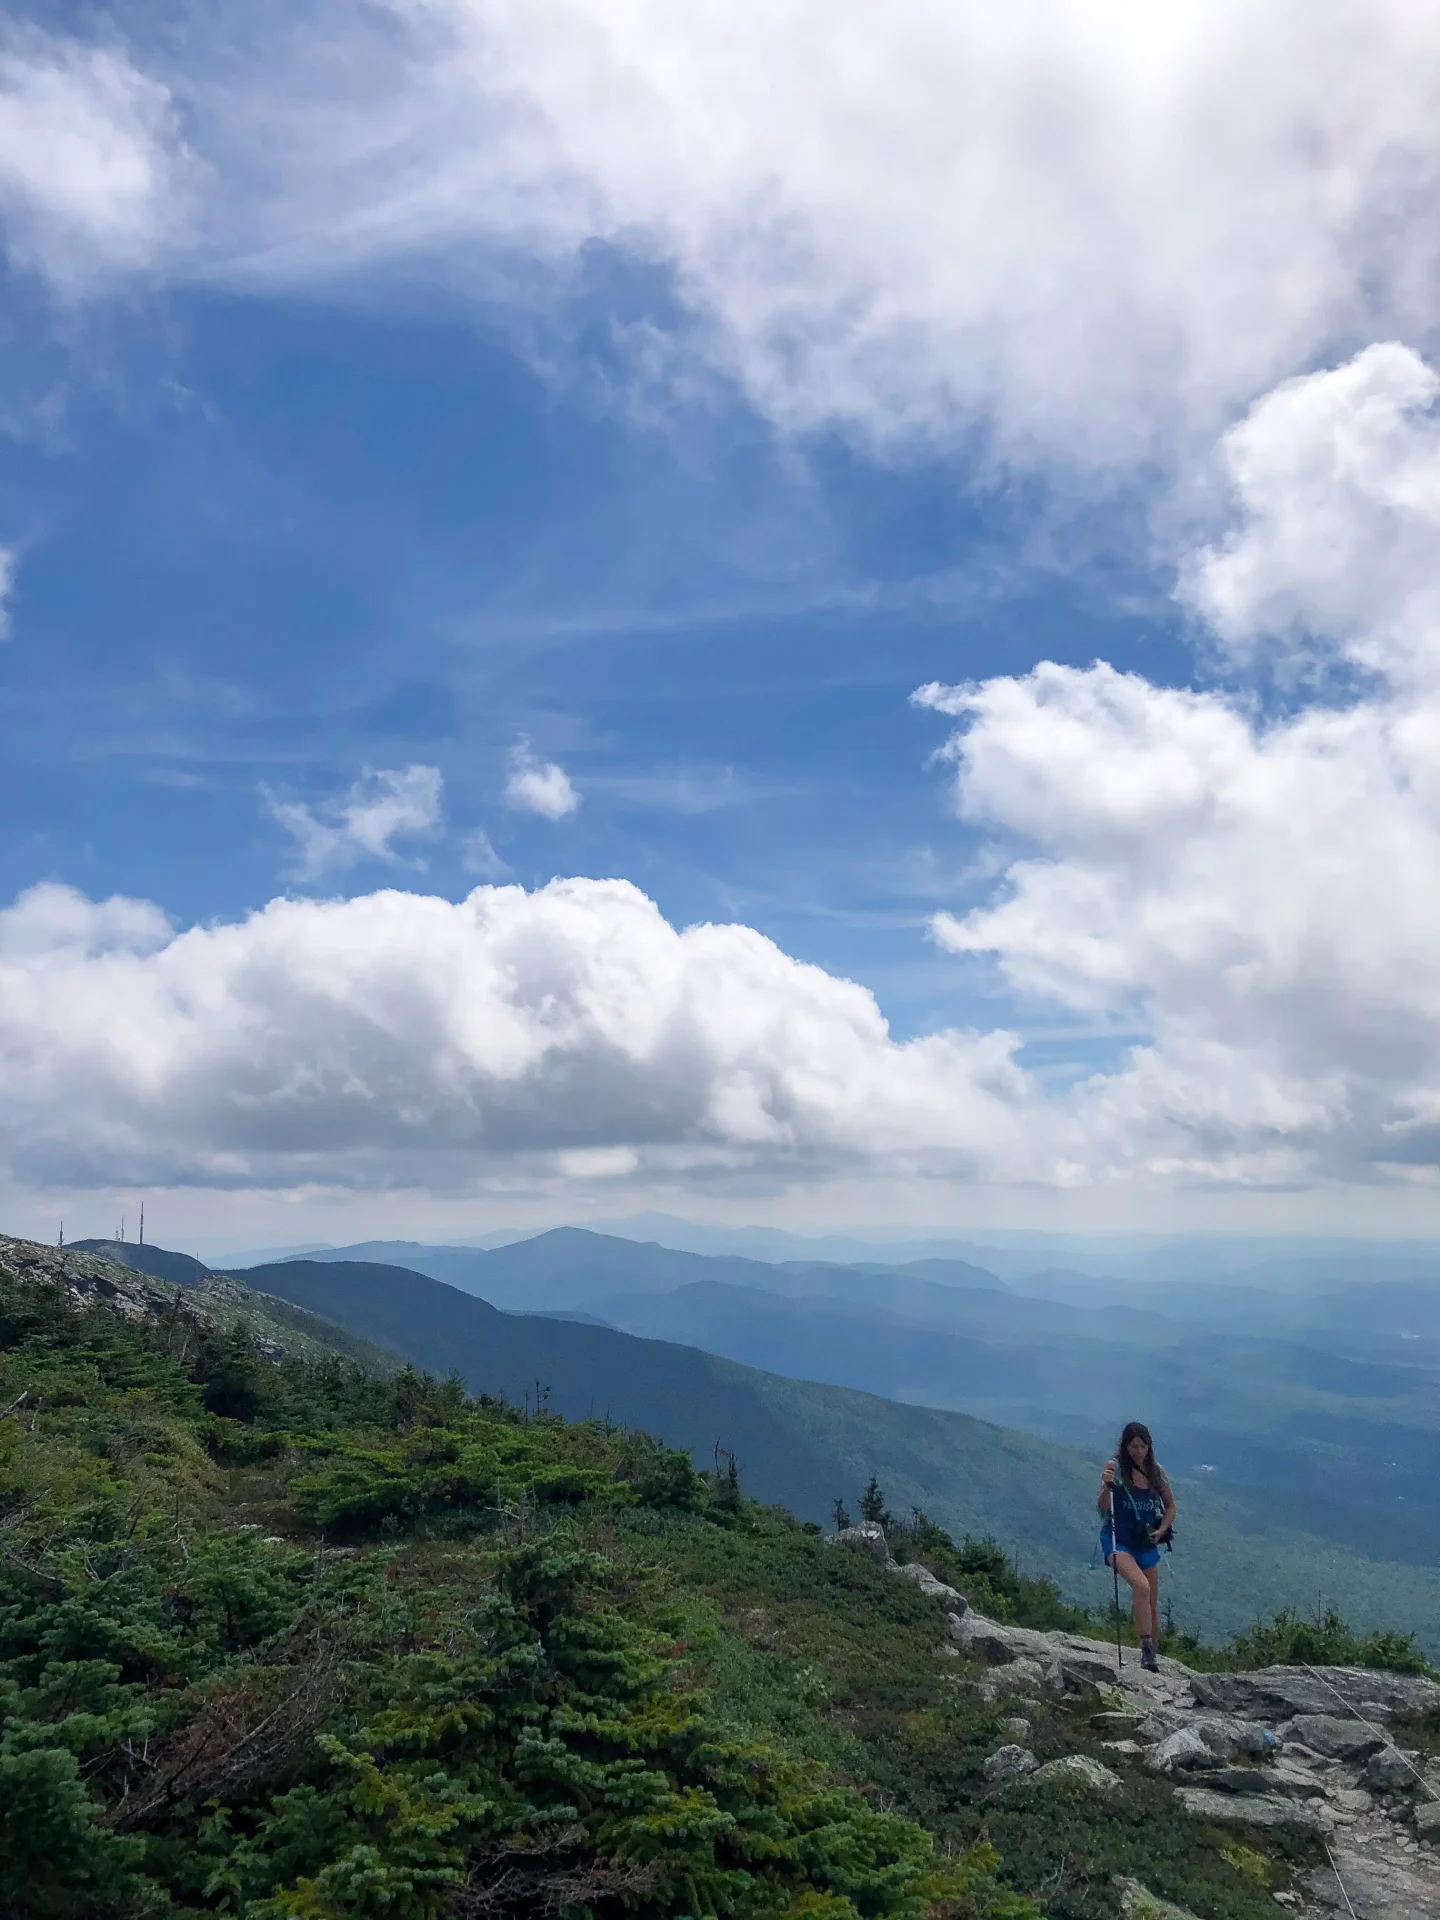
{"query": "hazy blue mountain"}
{"type": "Point", "coordinates": [571, 1267]}
{"type": "Point", "coordinates": [801, 1443]}
{"type": "Point", "coordinates": [1327, 1405]}
{"type": "Point", "coordinates": [1344, 1441]}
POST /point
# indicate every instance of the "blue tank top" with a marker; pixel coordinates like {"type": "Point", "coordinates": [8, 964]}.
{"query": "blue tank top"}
{"type": "Point", "coordinates": [1133, 1510]}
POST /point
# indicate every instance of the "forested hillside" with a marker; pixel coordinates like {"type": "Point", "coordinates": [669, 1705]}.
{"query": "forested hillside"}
{"type": "Point", "coordinates": [287, 1637]}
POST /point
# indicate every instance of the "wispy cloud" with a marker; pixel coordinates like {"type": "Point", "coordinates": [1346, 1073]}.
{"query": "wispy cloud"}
{"type": "Point", "coordinates": [683, 790]}
{"type": "Point", "coordinates": [383, 806]}
{"type": "Point", "coordinates": [538, 786]}
{"type": "Point", "coordinates": [9, 560]}
{"type": "Point", "coordinates": [478, 856]}
{"type": "Point", "coordinates": [92, 169]}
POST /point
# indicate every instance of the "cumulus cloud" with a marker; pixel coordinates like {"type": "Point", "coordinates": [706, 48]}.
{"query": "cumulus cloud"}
{"type": "Point", "coordinates": [383, 806]}
{"type": "Point", "coordinates": [400, 1038]}
{"type": "Point", "coordinates": [93, 171]}
{"type": "Point", "coordinates": [538, 786]}
{"type": "Point", "coordinates": [1337, 549]}
{"type": "Point", "coordinates": [1259, 895]}
{"type": "Point", "coordinates": [1254, 895]}
{"type": "Point", "coordinates": [1096, 227]}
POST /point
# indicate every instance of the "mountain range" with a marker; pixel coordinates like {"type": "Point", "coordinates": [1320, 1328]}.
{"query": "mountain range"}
{"type": "Point", "coordinates": [1322, 1407]}
{"type": "Point", "coordinates": [815, 1389]}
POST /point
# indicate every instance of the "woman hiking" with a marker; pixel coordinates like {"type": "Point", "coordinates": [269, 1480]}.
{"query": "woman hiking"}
{"type": "Point", "coordinates": [1138, 1511]}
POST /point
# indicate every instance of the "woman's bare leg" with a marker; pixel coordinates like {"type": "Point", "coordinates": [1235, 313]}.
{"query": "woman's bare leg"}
{"type": "Point", "coordinates": [1152, 1578]}
{"type": "Point", "coordinates": [1141, 1605]}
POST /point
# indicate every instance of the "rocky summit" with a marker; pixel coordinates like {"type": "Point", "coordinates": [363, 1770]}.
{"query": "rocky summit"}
{"type": "Point", "coordinates": [1317, 1751]}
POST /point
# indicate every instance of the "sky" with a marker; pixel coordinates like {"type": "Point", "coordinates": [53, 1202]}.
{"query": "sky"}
{"type": "Point", "coordinates": [779, 612]}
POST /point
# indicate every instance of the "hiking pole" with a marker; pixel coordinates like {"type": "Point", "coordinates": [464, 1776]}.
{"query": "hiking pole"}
{"type": "Point", "coordinates": [1115, 1569]}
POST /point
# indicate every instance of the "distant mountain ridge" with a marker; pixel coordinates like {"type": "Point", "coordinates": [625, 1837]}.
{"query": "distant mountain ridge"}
{"type": "Point", "coordinates": [803, 1442]}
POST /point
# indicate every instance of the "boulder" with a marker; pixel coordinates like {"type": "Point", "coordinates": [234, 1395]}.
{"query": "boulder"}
{"type": "Point", "coordinates": [1016, 1726]}
{"type": "Point", "coordinates": [1160, 1721]}
{"type": "Point", "coordinates": [1388, 1771]}
{"type": "Point", "coordinates": [1336, 1739]}
{"type": "Point", "coordinates": [1295, 1782]}
{"type": "Point", "coordinates": [1226, 1737]}
{"type": "Point", "coordinates": [996, 1643]}
{"type": "Point", "coordinates": [1087, 1668]}
{"type": "Point", "coordinates": [1019, 1676]}
{"type": "Point", "coordinates": [1278, 1693]}
{"type": "Point", "coordinates": [952, 1601]}
{"type": "Point", "coordinates": [1254, 1810]}
{"type": "Point", "coordinates": [1427, 1817]}
{"type": "Point", "coordinates": [1179, 1752]}
{"type": "Point", "coordinates": [1138, 1903]}
{"type": "Point", "coordinates": [1080, 1769]}
{"type": "Point", "coordinates": [868, 1537]}
{"type": "Point", "coordinates": [1008, 1763]}
{"type": "Point", "coordinates": [1232, 1780]}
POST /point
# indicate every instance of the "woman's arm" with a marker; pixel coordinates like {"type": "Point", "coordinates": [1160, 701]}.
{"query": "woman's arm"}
{"type": "Point", "coordinates": [1169, 1519]}
{"type": "Point", "coordinates": [1106, 1501]}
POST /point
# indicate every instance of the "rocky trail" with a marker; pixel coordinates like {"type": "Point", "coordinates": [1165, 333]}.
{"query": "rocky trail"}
{"type": "Point", "coordinates": [1316, 1749]}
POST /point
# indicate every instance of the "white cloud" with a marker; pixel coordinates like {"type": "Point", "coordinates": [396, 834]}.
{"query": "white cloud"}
{"type": "Point", "coordinates": [1102, 226]}
{"type": "Point", "coordinates": [92, 168]}
{"type": "Point", "coordinates": [383, 806]}
{"type": "Point", "coordinates": [1337, 478]}
{"type": "Point", "coordinates": [1260, 895]}
{"type": "Point", "coordinates": [1256, 896]}
{"type": "Point", "coordinates": [1100, 229]}
{"type": "Point", "coordinates": [398, 1038]}
{"type": "Point", "coordinates": [538, 786]}
{"type": "Point", "coordinates": [478, 856]}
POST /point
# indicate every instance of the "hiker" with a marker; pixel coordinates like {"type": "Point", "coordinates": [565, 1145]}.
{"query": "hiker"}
{"type": "Point", "coordinates": [1138, 1515]}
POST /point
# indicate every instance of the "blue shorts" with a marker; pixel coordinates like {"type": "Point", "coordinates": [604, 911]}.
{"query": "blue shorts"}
{"type": "Point", "coordinates": [1147, 1558]}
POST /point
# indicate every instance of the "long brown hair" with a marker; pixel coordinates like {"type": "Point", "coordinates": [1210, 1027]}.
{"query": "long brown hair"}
{"type": "Point", "coordinates": [1150, 1467]}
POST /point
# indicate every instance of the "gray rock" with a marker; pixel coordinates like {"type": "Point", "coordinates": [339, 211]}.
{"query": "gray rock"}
{"type": "Point", "coordinates": [1427, 1817]}
{"type": "Point", "coordinates": [1080, 1769]}
{"type": "Point", "coordinates": [952, 1601]}
{"type": "Point", "coordinates": [1389, 1880]}
{"type": "Point", "coordinates": [1388, 1771]}
{"type": "Point", "coordinates": [1294, 1782]}
{"type": "Point", "coordinates": [1232, 1780]}
{"type": "Point", "coordinates": [1016, 1726]}
{"type": "Point", "coordinates": [1160, 1721]}
{"type": "Point", "coordinates": [995, 1643]}
{"type": "Point", "coordinates": [1227, 1737]}
{"type": "Point", "coordinates": [1087, 1668]}
{"type": "Point", "coordinates": [868, 1537]}
{"type": "Point", "coordinates": [1019, 1676]}
{"type": "Point", "coordinates": [1138, 1903]}
{"type": "Point", "coordinates": [1254, 1810]}
{"type": "Point", "coordinates": [1336, 1739]}
{"type": "Point", "coordinates": [1278, 1693]}
{"type": "Point", "coordinates": [1008, 1763]}
{"type": "Point", "coordinates": [1179, 1752]}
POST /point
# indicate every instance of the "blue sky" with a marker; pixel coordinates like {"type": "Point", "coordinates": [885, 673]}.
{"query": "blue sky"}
{"type": "Point", "coordinates": [448, 449]}
{"type": "Point", "coordinates": [281, 542]}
